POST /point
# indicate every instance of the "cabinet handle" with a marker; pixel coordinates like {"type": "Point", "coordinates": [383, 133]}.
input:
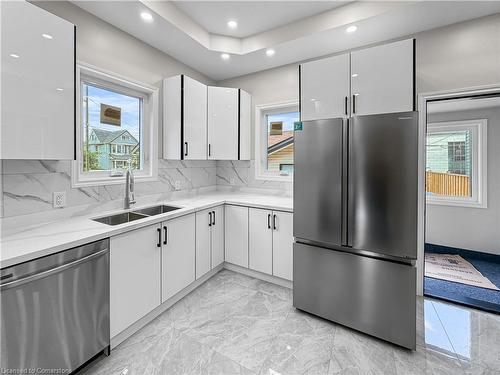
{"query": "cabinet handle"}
{"type": "Point", "coordinates": [185, 149]}
{"type": "Point", "coordinates": [213, 222]}
{"type": "Point", "coordinates": [209, 150]}
{"type": "Point", "coordinates": [210, 219]}
{"type": "Point", "coordinates": [354, 104]}
{"type": "Point", "coordinates": [159, 237]}
{"type": "Point", "coordinates": [165, 234]}
{"type": "Point", "coordinates": [345, 105]}
{"type": "Point", "coordinates": [274, 222]}
{"type": "Point", "coordinates": [268, 221]}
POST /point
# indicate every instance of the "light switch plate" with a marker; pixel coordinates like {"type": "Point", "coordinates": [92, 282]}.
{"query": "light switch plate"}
{"type": "Point", "coordinates": [59, 199]}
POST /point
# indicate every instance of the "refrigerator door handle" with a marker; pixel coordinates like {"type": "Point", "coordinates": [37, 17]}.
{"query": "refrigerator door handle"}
{"type": "Point", "coordinates": [345, 177]}
{"type": "Point", "coordinates": [349, 217]}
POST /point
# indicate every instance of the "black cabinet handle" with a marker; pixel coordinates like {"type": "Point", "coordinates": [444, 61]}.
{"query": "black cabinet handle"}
{"type": "Point", "coordinates": [213, 222]}
{"type": "Point", "coordinates": [209, 150]}
{"type": "Point", "coordinates": [210, 219]}
{"type": "Point", "coordinates": [185, 149]}
{"type": "Point", "coordinates": [159, 237]}
{"type": "Point", "coordinates": [274, 222]}
{"type": "Point", "coordinates": [268, 221]}
{"type": "Point", "coordinates": [165, 234]}
{"type": "Point", "coordinates": [345, 104]}
{"type": "Point", "coordinates": [354, 104]}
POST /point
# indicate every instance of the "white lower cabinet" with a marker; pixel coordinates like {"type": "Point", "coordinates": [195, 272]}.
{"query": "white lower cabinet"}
{"type": "Point", "coordinates": [236, 235]}
{"type": "Point", "coordinates": [134, 276]}
{"type": "Point", "coordinates": [217, 239]}
{"type": "Point", "coordinates": [178, 255]}
{"type": "Point", "coordinates": [209, 240]}
{"type": "Point", "coordinates": [270, 242]}
{"type": "Point", "coordinates": [260, 240]}
{"type": "Point", "coordinates": [283, 245]}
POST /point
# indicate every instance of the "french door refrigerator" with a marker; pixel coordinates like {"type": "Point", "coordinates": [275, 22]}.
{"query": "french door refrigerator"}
{"type": "Point", "coordinates": [355, 223]}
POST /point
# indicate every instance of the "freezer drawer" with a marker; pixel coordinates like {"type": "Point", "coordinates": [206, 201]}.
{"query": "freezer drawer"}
{"type": "Point", "coordinates": [370, 295]}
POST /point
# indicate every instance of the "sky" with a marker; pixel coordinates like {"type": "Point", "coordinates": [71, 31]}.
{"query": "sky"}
{"type": "Point", "coordinates": [130, 109]}
{"type": "Point", "coordinates": [288, 119]}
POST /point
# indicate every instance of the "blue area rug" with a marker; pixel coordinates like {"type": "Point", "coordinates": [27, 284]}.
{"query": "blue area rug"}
{"type": "Point", "coordinates": [487, 264]}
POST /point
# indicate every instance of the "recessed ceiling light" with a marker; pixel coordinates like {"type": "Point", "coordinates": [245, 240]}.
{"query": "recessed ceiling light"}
{"type": "Point", "coordinates": [270, 52]}
{"type": "Point", "coordinates": [59, 89]}
{"type": "Point", "coordinates": [47, 36]}
{"type": "Point", "coordinates": [351, 29]}
{"type": "Point", "coordinates": [14, 55]}
{"type": "Point", "coordinates": [225, 56]}
{"type": "Point", "coordinates": [232, 24]}
{"type": "Point", "coordinates": [146, 16]}
{"type": "Point", "coordinates": [354, 75]}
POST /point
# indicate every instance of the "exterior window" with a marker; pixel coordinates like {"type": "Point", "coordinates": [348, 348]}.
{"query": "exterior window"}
{"type": "Point", "coordinates": [116, 117]}
{"type": "Point", "coordinates": [456, 163]}
{"type": "Point", "coordinates": [275, 140]}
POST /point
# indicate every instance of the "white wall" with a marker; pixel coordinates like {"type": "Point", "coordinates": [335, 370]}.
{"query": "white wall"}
{"type": "Point", "coordinates": [471, 228]}
{"type": "Point", "coordinates": [460, 55]}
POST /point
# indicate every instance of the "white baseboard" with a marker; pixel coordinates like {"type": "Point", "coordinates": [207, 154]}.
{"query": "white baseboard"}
{"type": "Point", "coordinates": [259, 275]}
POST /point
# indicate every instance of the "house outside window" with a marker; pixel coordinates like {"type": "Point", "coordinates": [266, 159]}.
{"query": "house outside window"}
{"type": "Point", "coordinates": [275, 140]}
{"type": "Point", "coordinates": [118, 129]}
{"type": "Point", "coordinates": [456, 163]}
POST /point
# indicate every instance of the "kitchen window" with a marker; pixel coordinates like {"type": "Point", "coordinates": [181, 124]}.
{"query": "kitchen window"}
{"type": "Point", "coordinates": [275, 140]}
{"type": "Point", "coordinates": [456, 163]}
{"type": "Point", "coordinates": [118, 125]}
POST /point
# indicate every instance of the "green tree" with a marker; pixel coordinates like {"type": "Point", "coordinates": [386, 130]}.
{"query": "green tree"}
{"type": "Point", "coordinates": [90, 160]}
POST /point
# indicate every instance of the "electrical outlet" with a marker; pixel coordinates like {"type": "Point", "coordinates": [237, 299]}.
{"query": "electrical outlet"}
{"type": "Point", "coordinates": [177, 185]}
{"type": "Point", "coordinates": [231, 181]}
{"type": "Point", "coordinates": [59, 199]}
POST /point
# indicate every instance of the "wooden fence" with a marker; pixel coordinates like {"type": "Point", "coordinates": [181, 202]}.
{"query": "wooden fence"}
{"type": "Point", "coordinates": [448, 184]}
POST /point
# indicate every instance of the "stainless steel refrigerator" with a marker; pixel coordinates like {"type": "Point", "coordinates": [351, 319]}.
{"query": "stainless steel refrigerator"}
{"type": "Point", "coordinates": [355, 223]}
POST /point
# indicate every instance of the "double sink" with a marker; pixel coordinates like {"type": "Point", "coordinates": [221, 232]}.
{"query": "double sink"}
{"type": "Point", "coordinates": [126, 217]}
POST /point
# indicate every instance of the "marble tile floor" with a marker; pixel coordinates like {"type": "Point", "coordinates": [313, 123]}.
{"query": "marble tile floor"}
{"type": "Point", "coordinates": [234, 324]}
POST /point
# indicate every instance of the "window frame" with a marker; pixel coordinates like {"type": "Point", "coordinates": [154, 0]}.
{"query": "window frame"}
{"type": "Point", "coordinates": [479, 151]}
{"type": "Point", "coordinates": [149, 132]}
{"type": "Point", "coordinates": [261, 113]}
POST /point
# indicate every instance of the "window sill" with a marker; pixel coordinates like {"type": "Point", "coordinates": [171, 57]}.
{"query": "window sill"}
{"type": "Point", "coordinates": [456, 203]}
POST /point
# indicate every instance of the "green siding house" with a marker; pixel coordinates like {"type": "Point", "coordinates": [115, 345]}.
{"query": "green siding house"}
{"type": "Point", "coordinates": [114, 149]}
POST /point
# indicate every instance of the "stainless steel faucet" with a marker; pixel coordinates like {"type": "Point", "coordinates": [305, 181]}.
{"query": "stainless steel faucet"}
{"type": "Point", "coordinates": [129, 190]}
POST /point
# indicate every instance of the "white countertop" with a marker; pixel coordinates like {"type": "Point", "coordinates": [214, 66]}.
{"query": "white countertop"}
{"type": "Point", "coordinates": [35, 241]}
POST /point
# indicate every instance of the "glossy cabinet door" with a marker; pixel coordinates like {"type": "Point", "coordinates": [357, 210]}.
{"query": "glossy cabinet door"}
{"type": "Point", "coordinates": [217, 232]}
{"type": "Point", "coordinates": [260, 240]}
{"type": "Point", "coordinates": [236, 234]}
{"type": "Point", "coordinates": [203, 242]}
{"type": "Point", "coordinates": [283, 245]}
{"type": "Point", "coordinates": [195, 120]}
{"type": "Point", "coordinates": [38, 84]}
{"type": "Point", "coordinates": [324, 88]}
{"type": "Point", "coordinates": [245, 125]}
{"type": "Point", "coordinates": [383, 78]}
{"type": "Point", "coordinates": [222, 123]}
{"type": "Point", "coordinates": [178, 255]}
{"type": "Point", "coordinates": [134, 276]}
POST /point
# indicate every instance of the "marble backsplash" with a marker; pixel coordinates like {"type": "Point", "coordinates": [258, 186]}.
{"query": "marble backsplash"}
{"type": "Point", "coordinates": [27, 186]}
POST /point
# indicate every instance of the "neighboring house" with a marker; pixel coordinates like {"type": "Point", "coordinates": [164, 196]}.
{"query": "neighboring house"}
{"type": "Point", "coordinates": [449, 153]}
{"type": "Point", "coordinates": [114, 148]}
{"type": "Point", "coordinates": [280, 152]}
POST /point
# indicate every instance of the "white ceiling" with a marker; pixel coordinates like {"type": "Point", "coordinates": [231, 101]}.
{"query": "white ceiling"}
{"type": "Point", "coordinates": [177, 34]}
{"type": "Point", "coordinates": [252, 16]}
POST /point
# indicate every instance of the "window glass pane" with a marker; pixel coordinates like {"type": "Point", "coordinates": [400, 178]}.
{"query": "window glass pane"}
{"type": "Point", "coordinates": [449, 163]}
{"type": "Point", "coordinates": [280, 142]}
{"type": "Point", "coordinates": [111, 129]}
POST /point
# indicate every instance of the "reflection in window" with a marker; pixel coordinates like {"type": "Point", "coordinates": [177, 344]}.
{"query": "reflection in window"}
{"type": "Point", "coordinates": [280, 142]}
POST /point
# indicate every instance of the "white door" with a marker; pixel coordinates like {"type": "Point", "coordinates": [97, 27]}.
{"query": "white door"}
{"type": "Point", "coordinates": [236, 230]}
{"type": "Point", "coordinates": [178, 255]}
{"type": "Point", "coordinates": [38, 86]}
{"type": "Point", "coordinates": [245, 124]}
{"type": "Point", "coordinates": [222, 123]}
{"type": "Point", "coordinates": [195, 120]}
{"type": "Point", "coordinates": [203, 242]}
{"type": "Point", "coordinates": [382, 78]}
{"type": "Point", "coordinates": [324, 88]}
{"type": "Point", "coordinates": [134, 276]}
{"type": "Point", "coordinates": [260, 240]}
{"type": "Point", "coordinates": [217, 236]}
{"type": "Point", "coordinates": [283, 245]}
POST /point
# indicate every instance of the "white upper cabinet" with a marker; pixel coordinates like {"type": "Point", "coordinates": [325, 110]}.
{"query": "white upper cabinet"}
{"type": "Point", "coordinates": [324, 87]}
{"type": "Point", "coordinates": [184, 119]}
{"type": "Point", "coordinates": [37, 83]}
{"type": "Point", "coordinates": [222, 123]}
{"type": "Point", "coordinates": [383, 78]}
{"type": "Point", "coordinates": [245, 124]}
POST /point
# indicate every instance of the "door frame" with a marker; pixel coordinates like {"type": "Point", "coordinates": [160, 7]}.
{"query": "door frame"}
{"type": "Point", "coordinates": [423, 98]}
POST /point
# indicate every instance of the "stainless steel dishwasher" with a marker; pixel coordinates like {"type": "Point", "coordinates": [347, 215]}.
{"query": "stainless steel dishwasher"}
{"type": "Point", "coordinates": [55, 310]}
